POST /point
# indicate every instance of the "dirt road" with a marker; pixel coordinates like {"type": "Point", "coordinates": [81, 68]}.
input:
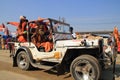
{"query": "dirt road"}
{"type": "Point", "coordinates": [7, 72]}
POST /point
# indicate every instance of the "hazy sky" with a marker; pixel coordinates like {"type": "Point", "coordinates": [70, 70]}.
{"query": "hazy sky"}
{"type": "Point", "coordinates": [83, 15]}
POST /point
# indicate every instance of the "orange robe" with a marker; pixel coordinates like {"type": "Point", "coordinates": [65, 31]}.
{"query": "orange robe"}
{"type": "Point", "coordinates": [47, 45]}
{"type": "Point", "coordinates": [116, 34]}
{"type": "Point", "coordinates": [20, 32]}
{"type": "Point", "coordinates": [117, 38]}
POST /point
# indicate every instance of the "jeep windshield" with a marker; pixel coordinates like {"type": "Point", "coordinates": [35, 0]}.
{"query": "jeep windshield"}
{"type": "Point", "coordinates": [61, 30]}
{"type": "Point", "coordinates": [59, 26]}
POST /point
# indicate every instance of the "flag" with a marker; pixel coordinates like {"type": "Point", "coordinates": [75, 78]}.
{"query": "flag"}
{"type": "Point", "coordinates": [2, 27]}
{"type": "Point", "coordinates": [6, 31]}
{"type": "Point", "coordinates": [16, 24]}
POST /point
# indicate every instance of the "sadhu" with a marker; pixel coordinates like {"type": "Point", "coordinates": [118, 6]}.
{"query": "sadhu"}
{"type": "Point", "coordinates": [21, 29]}
{"type": "Point", "coordinates": [41, 38]}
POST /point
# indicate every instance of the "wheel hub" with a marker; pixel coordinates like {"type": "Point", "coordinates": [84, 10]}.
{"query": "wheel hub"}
{"type": "Point", "coordinates": [84, 70]}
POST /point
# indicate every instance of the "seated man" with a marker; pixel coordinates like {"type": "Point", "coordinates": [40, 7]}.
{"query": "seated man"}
{"type": "Point", "coordinates": [41, 39]}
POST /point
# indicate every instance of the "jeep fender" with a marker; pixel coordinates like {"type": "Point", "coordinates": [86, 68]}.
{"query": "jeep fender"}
{"type": "Point", "coordinates": [28, 52]}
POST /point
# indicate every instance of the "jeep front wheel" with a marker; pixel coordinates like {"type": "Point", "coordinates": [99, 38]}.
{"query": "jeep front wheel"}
{"type": "Point", "coordinates": [85, 67]}
{"type": "Point", "coordinates": [23, 61]}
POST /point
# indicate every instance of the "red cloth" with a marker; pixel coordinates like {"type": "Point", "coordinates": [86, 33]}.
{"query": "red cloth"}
{"type": "Point", "coordinates": [24, 24]}
{"type": "Point", "coordinates": [14, 23]}
{"type": "Point", "coordinates": [21, 39]}
{"type": "Point", "coordinates": [2, 27]}
{"type": "Point", "coordinates": [118, 45]}
{"type": "Point", "coordinates": [47, 45]}
{"type": "Point", "coordinates": [32, 25]}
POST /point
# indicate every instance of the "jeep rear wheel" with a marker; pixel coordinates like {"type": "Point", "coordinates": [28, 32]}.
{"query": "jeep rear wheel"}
{"type": "Point", "coordinates": [85, 67]}
{"type": "Point", "coordinates": [23, 61]}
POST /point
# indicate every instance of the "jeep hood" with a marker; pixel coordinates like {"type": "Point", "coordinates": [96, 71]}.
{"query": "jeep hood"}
{"type": "Point", "coordinates": [75, 43]}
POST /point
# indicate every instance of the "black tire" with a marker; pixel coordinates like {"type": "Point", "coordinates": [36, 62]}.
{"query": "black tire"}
{"type": "Point", "coordinates": [23, 61]}
{"type": "Point", "coordinates": [85, 67]}
{"type": "Point", "coordinates": [114, 65]}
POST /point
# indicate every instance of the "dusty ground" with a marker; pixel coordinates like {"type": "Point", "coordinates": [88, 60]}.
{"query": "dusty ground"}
{"type": "Point", "coordinates": [7, 72]}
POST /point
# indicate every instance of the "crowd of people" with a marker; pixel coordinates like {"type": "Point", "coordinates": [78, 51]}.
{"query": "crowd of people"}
{"type": "Point", "coordinates": [4, 41]}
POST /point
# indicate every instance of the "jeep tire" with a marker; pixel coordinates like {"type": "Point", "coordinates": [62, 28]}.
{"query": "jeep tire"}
{"type": "Point", "coordinates": [85, 67]}
{"type": "Point", "coordinates": [23, 61]}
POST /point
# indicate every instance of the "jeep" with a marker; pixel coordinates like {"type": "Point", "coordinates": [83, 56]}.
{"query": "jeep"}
{"type": "Point", "coordinates": [84, 56]}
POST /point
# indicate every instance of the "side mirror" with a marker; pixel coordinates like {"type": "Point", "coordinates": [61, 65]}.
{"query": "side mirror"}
{"type": "Point", "coordinates": [71, 29]}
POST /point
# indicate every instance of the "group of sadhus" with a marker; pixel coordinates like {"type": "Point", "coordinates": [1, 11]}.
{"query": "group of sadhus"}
{"type": "Point", "coordinates": [40, 36]}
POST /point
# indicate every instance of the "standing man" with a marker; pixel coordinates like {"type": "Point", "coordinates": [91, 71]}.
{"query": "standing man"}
{"type": "Point", "coordinates": [21, 28]}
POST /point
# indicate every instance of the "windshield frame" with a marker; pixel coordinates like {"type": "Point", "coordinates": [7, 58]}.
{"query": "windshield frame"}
{"type": "Point", "coordinates": [60, 24]}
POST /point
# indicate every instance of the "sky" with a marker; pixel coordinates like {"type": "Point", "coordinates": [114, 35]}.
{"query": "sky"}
{"type": "Point", "coordinates": [82, 15]}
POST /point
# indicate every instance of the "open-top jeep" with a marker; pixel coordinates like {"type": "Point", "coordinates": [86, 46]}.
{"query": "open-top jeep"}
{"type": "Point", "coordinates": [83, 57]}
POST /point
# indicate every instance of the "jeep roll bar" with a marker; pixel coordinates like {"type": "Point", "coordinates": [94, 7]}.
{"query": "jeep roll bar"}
{"type": "Point", "coordinates": [53, 20]}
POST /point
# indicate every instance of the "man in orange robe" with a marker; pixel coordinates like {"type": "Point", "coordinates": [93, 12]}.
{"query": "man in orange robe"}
{"type": "Point", "coordinates": [21, 29]}
{"type": "Point", "coordinates": [42, 39]}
